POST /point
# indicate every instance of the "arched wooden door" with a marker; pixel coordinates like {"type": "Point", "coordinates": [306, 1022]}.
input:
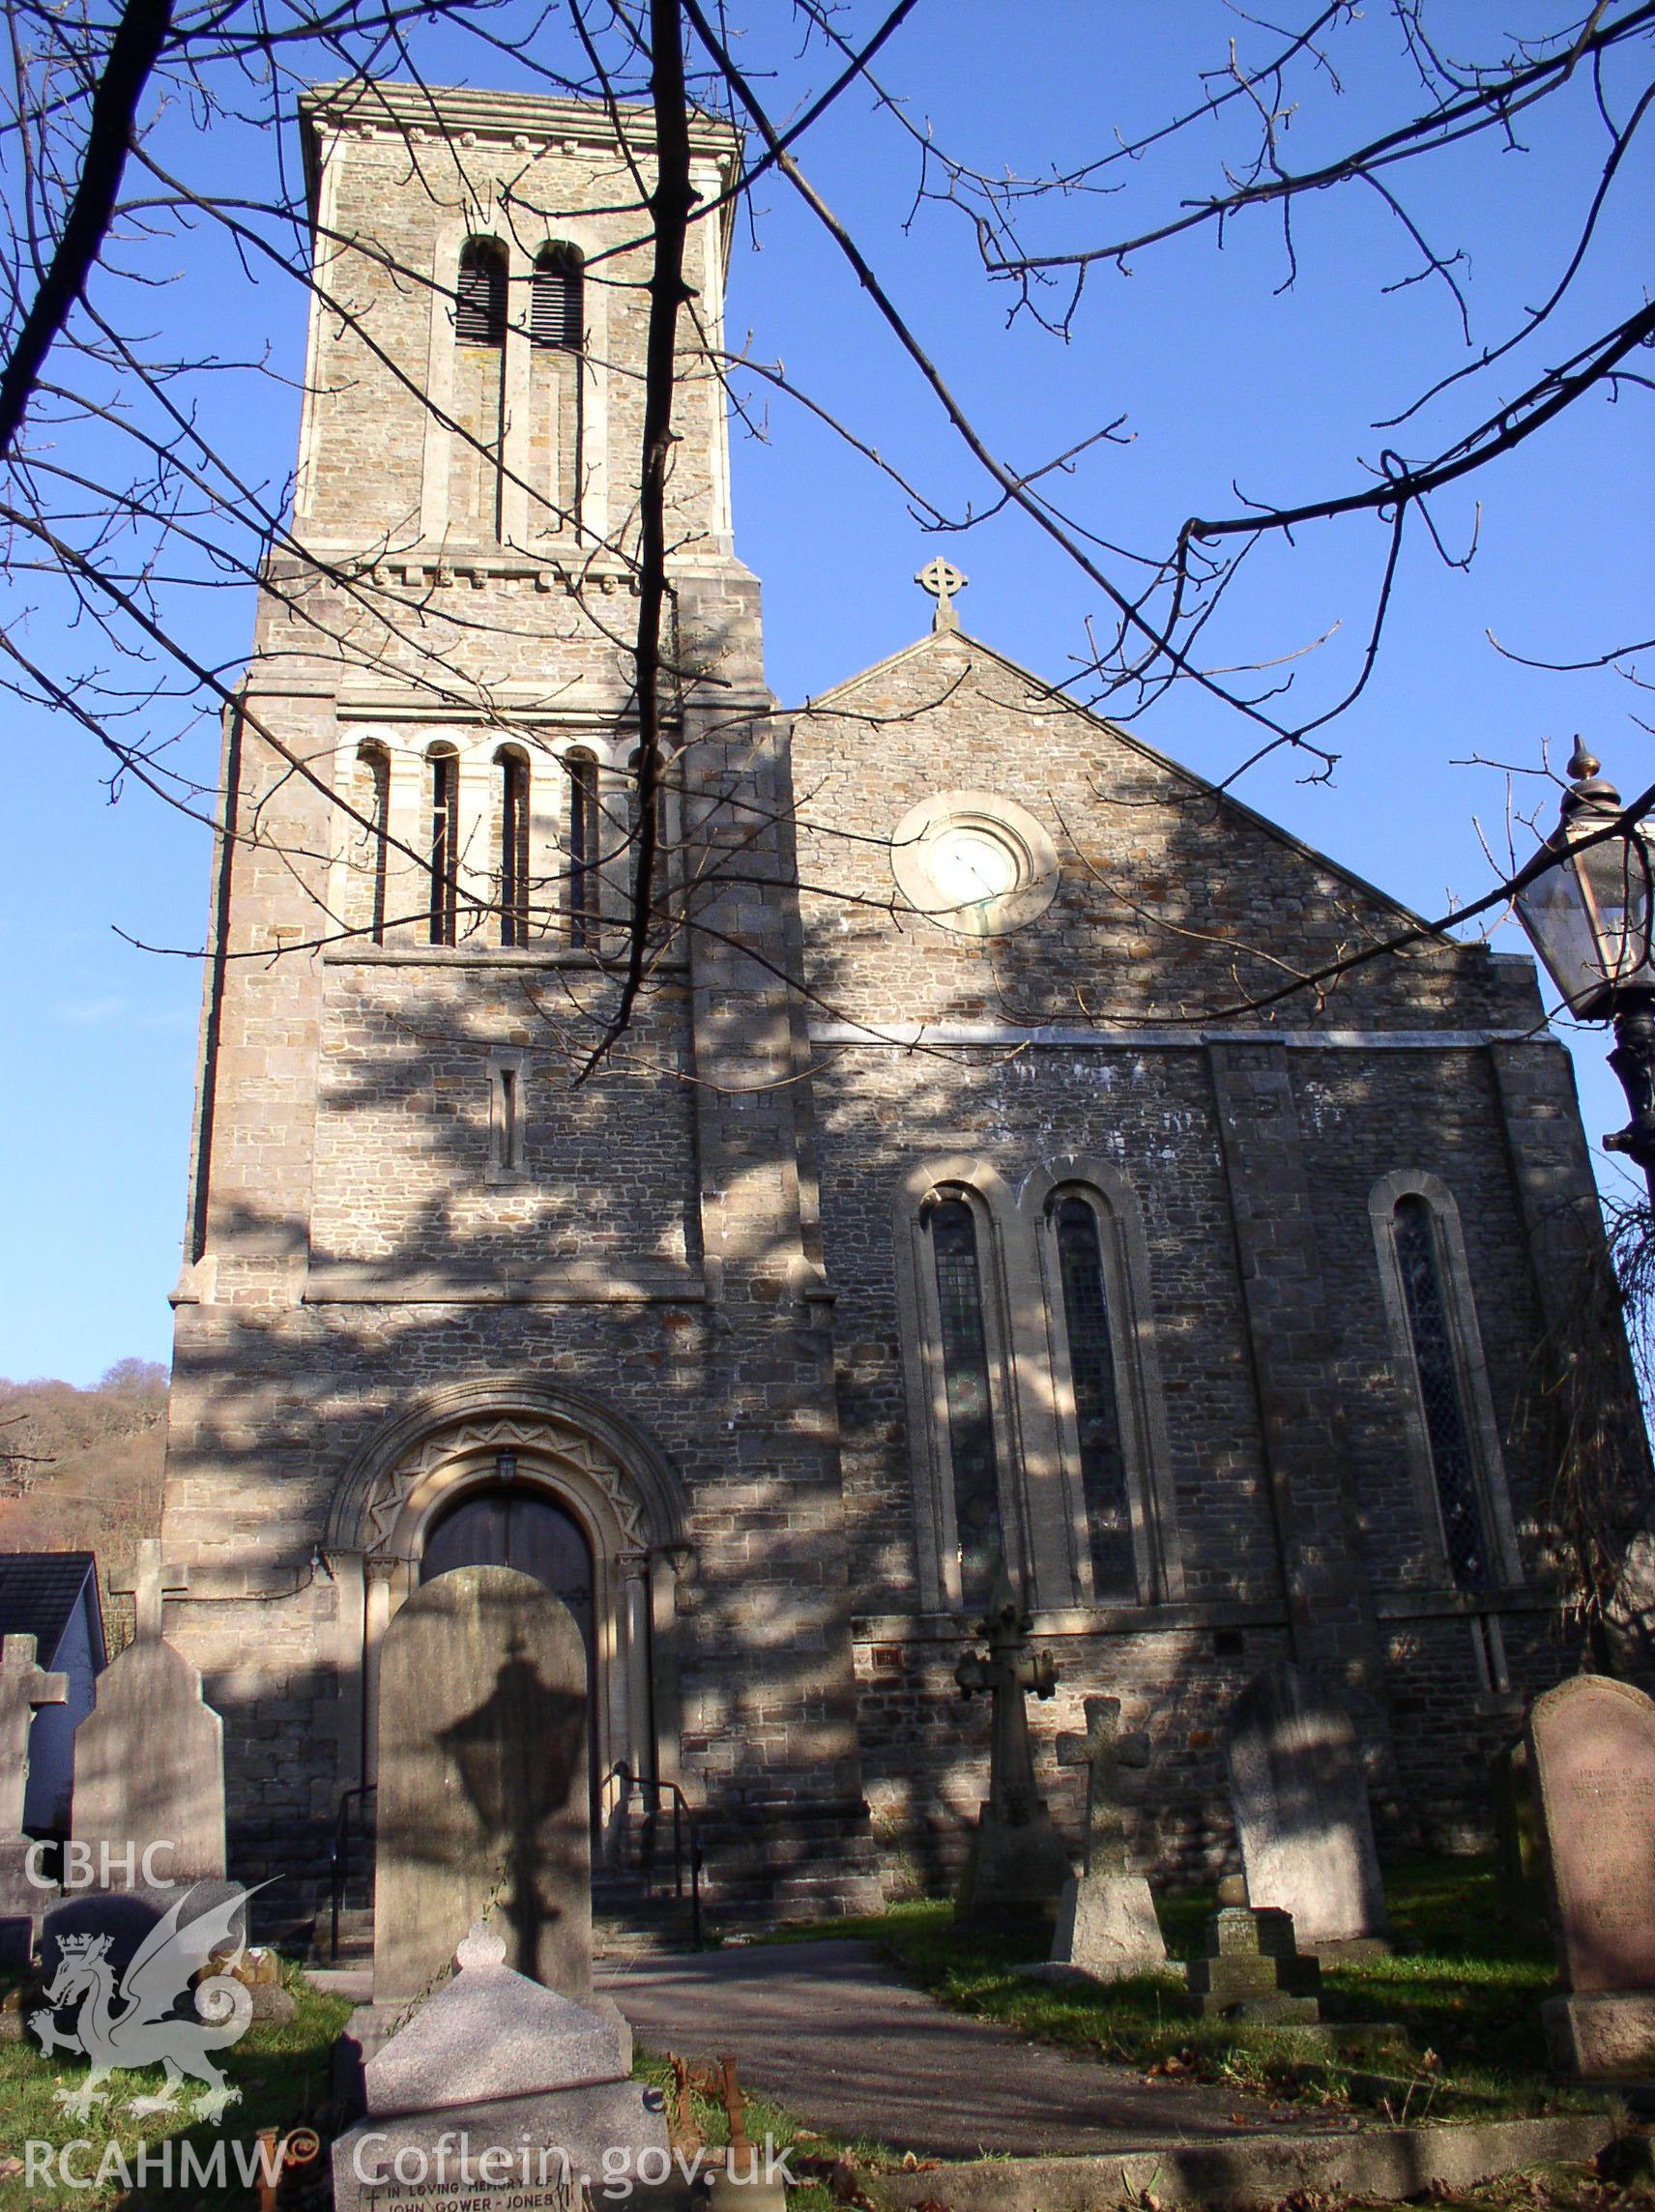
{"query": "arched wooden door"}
{"type": "Point", "coordinates": [523, 1528]}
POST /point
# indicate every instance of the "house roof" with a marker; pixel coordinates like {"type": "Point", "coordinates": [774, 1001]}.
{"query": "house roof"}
{"type": "Point", "coordinates": [39, 1592]}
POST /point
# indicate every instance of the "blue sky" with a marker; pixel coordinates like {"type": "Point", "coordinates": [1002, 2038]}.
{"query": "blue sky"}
{"type": "Point", "coordinates": [1222, 379]}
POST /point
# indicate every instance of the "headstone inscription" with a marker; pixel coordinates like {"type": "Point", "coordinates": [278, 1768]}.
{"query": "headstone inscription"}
{"type": "Point", "coordinates": [482, 1783]}
{"type": "Point", "coordinates": [1017, 1861]}
{"type": "Point", "coordinates": [1592, 1747]}
{"type": "Point", "coordinates": [502, 2096]}
{"type": "Point", "coordinates": [1106, 1917]}
{"type": "Point", "coordinates": [1301, 1811]}
{"type": "Point", "coordinates": [149, 1757]}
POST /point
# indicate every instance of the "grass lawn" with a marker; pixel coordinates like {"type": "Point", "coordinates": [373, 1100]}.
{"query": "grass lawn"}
{"type": "Point", "coordinates": [282, 2072]}
{"type": "Point", "coordinates": [1465, 1988]}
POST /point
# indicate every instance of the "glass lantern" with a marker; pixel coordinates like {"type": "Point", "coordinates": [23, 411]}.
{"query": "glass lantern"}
{"type": "Point", "coordinates": [1588, 914]}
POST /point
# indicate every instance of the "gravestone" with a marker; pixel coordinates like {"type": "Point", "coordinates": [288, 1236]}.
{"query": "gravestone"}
{"type": "Point", "coordinates": [1301, 1811]}
{"type": "Point", "coordinates": [23, 1687]}
{"type": "Point", "coordinates": [501, 2095]}
{"type": "Point", "coordinates": [1252, 1970]}
{"type": "Point", "coordinates": [1592, 1747]}
{"type": "Point", "coordinates": [1106, 1917]}
{"type": "Point", "coordinates": [482, 1783]}
{"type": "Point", "coordinates": [149, 1757]}
{"type": "Point", "coordinates": [1017, 1861]}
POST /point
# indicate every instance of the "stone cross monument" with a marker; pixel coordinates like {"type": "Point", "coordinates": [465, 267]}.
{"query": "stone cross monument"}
{"type": "Point", "coordinates": [22, 1687]}
{"type": "Point", "coordinates": [1017, 1860]}
{"type": "Point", "coordinates": [1106, 1919]}
{"type": "Point", "coordinates": [1103, 1751]}
{"type": "Point", "coordinates": [149, 1584]}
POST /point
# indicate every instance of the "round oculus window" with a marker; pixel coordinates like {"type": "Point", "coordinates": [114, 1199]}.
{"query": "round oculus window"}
{"type": "Point", "coordinates": [972, 866]}
{"type": "Point", "coordinates": [975, 864]}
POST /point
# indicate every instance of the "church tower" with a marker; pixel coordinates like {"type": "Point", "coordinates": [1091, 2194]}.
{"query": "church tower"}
{"type": "Point", "coordinates": [443, 1303]}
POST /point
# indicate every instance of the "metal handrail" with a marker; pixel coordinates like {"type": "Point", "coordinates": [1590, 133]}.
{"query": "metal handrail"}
{"type": "Point", "coordinates": [682, 1816]}
{"type": "Point", "coordinates": [339, 1859]}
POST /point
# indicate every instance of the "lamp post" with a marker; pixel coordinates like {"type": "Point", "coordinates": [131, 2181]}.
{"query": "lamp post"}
{"type": "Point", "coordinates": [1589, 915]}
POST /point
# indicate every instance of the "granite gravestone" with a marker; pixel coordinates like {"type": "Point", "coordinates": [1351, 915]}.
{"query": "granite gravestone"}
{"type": "Point", "coordinates": [24, 1686]}
{"type": "Point", "coordinates": [1106, 1917]}
{"type": "Point", "coordinates": [502, 2096]}
{"type": "Point", "coordinates": [482, 1783]}
{"type": "Point", "coordinates": [1301, 1811]}
{"type": "Point", "coordinates": [149, 1757]}
{"type": "Point", "coordinates": [1592, 1747]}
{"type": "Point", "coordinates": [1017, 1861]}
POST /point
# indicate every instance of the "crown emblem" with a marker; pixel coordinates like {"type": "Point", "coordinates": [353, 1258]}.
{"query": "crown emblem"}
{"type": "Point", "coordinates": [87, 1946]}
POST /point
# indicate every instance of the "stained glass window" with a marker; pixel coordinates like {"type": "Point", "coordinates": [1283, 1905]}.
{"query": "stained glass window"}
{"type": "Point", "coordinates": [1097, 1405]}
{"type": "Point", "coordinates": [1441, 1394]}
{"type": "Point", "coordinates": [966, 1386]}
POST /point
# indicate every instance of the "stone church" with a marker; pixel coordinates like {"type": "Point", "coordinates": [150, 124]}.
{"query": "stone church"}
{"type": "Point", "coordinates": [960, 1193]}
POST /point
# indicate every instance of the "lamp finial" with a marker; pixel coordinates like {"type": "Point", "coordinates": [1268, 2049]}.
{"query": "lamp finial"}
{"type": "Point", "coordinates": [1582, 762]}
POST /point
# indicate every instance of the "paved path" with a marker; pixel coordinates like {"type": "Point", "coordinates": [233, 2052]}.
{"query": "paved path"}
{"type": "Point", "coordinates": [830, 2032]}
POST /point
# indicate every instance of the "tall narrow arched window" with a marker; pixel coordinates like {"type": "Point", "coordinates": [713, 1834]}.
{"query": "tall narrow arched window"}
{"type": "Point", "coordinates": [1104, 1484]}
{"type": "Point", "coordinates": [514, 770]}
{"type": "Point", "coordinates": [477, 400]}
{"type": "Point", "coordinates": [479, 295]}
{"type": "Point", "coordinates": [1450, 1434]}
{"type": "Point", "coordinates": [443, 770]}
{"type": "Point", "coordinates": [968, 1399]}
{"type": "Point", "coordinates": [585, 883]}
{"type": "Point", "coordinates": [373, 803]}
{"type": "Point", "coordinates": [1102, 1425]}
{"type": "Point", "coordinates": [557, 299]}
{"type": "Point", "coordinates": [1440, 1383]}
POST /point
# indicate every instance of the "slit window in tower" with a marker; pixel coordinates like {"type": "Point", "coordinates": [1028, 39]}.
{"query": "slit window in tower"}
{"type": "Point", "coordinates": [445, 845]}
{"type": "Point", "coordinates": [514, 849]}
{"type": "Point", "coordinates": [584, 881]}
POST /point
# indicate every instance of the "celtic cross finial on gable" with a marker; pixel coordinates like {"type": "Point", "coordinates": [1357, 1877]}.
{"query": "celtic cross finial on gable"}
{"type": "Point", "coordinates": [942, 579]}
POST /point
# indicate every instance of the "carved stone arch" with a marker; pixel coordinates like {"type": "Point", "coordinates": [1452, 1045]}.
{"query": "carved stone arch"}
{"type": "Point", "coordinates": [642, 1488]}
{"type": "Point", "coordinates": [623, 1493]}
{"type": "Point", "coordinates": [1146, 1439]}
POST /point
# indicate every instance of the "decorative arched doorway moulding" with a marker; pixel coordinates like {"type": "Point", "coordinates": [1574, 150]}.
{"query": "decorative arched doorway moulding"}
{"type": "Point", "coordinates": [625, 1497]}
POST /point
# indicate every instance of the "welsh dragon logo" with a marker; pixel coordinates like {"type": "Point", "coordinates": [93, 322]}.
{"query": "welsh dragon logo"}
{"type": "Point", "coordinates": [134, 2025]}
